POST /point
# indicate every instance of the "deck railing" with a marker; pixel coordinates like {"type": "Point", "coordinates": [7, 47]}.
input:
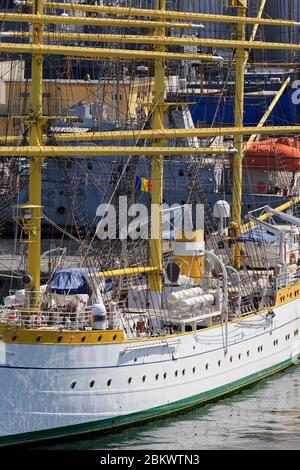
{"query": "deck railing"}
{"type": "Point", "coordinates": [287, 278]}
{"type": "Point", "coordinates": [54, 319]}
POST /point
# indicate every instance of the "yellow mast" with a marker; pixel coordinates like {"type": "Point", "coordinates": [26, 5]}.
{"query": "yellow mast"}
{"type": "Point", "coordinates": [237, 173]}
{"type": "Point", "coordinates": [30, 214]}
{"type": "Point", "coordinates": [35, 168]}
{"type": "Point", "coordinates": [158, 123]}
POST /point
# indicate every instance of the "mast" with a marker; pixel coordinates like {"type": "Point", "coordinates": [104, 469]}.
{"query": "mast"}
{"type": "Point", "coordinates": [35, 168]}
{"type": "Point", "coordinates": [158, 123]}
{"type": "Point", "coordinates": [237, 175]}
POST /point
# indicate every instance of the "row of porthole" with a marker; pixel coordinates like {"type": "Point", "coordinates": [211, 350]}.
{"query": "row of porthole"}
{"type": "Point", "coordinates": [92, 383]}
{"type": "Point", "coordinates": [239, 356]}
{"type": "Point", "coordinates": [259, 349]}
{"type": "Point", "coordinates": [176, 373]}
{"type": "Point", "coordinates": [283, 297]}
{"type": "Point", "coordinates": [60, 338]}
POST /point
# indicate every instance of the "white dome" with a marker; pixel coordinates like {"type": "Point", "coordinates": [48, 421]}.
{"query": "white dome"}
{"type": "Point", "coordinates": [99, 309]}
{"type": "Point", "coordinates": [222, 209]}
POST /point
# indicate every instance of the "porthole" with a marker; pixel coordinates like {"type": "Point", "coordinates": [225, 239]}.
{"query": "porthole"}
{"type": "Point", "coordinates": [38, 339]}
{"type": "Point", "coordinates": [135, 359]}
{"type": "Point", "coordinates": [109, 382]}
{"type": "Point", "coordinates": [183, 371]}
{"type": "Point", "coordinates": [144, 378]}
{"type": "Point", "coordinates": [219, 363]}
{"type": "Point", "coordinates": [59, 339]}
{"type": "Point", "coordinates": [83, 339]}
{"type": "Point", "coordinates": [114, 337]}
{"type": "Point", "coordinates": [165, 375]}
{"type": "Point", "coordinates": [157, 377]}
{"type": "Point", "coordinates": [100, 338]}
{"type": "Point", "coordinates": [73, 384]}
{"type": "Point", "coordinates": [176, 373]}
{"type": "Point", "coordinates": [14, 338]}
{"type": "Point", "coordinates": [231, 358]}
{"type": "Point", "coordinates": [248, 353]}
{"type": "Point", "coordinates": [194, 370]}
{"type": "Point", "coordinates": [92, 383]}
{"type": "Point", "coordinates": [240, 356]}
{"type": "Point", "coordinates": [206, 367]}
{"type": "Point", "coordinates": [130, 380]}
{"type": "Point", "coordinates": [61, 210]}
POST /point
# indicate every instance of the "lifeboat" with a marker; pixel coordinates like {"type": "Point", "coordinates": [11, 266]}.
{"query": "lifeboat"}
{"type": "Point", "coordinates": [277, 154]}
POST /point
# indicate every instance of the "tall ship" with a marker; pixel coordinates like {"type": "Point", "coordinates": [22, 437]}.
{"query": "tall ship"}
{"type": "Point", "coordinates": [159, 308]}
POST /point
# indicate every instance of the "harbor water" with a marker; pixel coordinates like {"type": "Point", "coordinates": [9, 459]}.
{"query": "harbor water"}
{"type": "Point", "coordinates": [264, 417]}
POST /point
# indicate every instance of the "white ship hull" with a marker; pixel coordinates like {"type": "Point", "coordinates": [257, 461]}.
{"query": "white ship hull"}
{"type": "Point", "coordinates": [38, 401]}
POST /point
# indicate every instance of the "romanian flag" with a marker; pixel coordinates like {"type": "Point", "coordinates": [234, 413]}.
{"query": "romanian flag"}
{"type": "Point", "coordinates": [143, 184]}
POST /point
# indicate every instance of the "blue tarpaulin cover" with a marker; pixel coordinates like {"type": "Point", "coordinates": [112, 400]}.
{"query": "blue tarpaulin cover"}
{"type": "Point", "coordinates": [259, 235]}
{"type": "Point", "coordinates": [74, 281]}
{"type": "Point", "coordinates": [70, 281]}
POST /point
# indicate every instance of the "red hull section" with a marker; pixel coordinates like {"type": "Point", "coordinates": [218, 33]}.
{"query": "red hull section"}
{"type": "Point", "coordinates": [277, 155]}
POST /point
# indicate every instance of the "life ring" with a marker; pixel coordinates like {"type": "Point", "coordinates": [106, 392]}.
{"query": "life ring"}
{"type": "Point", "coordinates": [12, 317]}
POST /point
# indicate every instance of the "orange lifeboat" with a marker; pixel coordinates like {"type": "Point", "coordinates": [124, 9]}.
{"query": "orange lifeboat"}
{"type": "Point", "coordinates": [277, 154]}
